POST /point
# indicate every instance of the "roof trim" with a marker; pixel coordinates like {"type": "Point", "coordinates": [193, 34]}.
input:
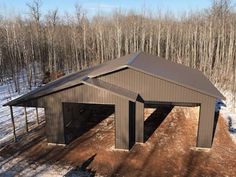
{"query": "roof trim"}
{"type": "Point", "coordinates": [132, 96]}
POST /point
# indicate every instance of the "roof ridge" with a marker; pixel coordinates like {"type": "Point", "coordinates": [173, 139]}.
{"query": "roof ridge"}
{"type": "Point", "coordinates": [131, 60]}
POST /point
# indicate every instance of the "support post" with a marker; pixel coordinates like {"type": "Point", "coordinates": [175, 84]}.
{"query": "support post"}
{"type": "Point", "coordinates": [26, 120]}
{"type": "Point", "coordinates": [37, 115]}
{"type": "Point", "coordinates": [122, 125]}
{"type": "Point", "coordinates": [139, 122]}
{"type": "Point", "coordinates": [206, 124]}
{"type": "Point", "coordinates": [13, 124]}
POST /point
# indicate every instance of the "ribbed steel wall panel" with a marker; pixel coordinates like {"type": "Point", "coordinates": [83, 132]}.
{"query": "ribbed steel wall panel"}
{"type": "Point", "coordinates": [139, 135]}
{"type": "Point", "coordinates": [85, 94]}
{"type": "Point", "coordinates": [122, 125]}
{"type": "Point", "coordinates": [206, 123]}
{"type": "Point", "coordinates": [149, 87]}
{"type": "Point", "coordinates": [154, 89]}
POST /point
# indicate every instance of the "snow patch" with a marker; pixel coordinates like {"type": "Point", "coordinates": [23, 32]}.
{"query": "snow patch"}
{"type": "Point", "coordinates": [7, 93]}
{"type": "Point", "coordinates": [228, 111]}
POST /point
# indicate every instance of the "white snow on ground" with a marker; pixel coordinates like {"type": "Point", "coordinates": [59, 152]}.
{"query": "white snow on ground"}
{"type": "Point", "coordinates": [228, 111]}
{"type": "Point", "coordinates": [7, 93]}
{"type": "Point", "coordinates": [19, 166]}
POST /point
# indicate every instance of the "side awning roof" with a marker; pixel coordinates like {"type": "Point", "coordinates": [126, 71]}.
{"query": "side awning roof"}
{"type": "Point", "coordinates": [97, 83]}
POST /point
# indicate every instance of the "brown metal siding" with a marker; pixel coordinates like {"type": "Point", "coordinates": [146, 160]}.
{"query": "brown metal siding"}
{"type": "Point", "coordinates": [139, 124]}
{"type": "Point", "coordinates": [155, 79]}
{"type": "Point", "coordinates": [54, 119]}
{"type": "Point", "coordinates": [122, 125]}
{"type": "Point", "coordinates": [152, 88]}
{"type": "Point", "coordinates": [177, 73]}
{"type": "Point", "coordinates": [206, 123]}
{"type": "Point", "coordinates": [149, 87]}
{"type": "Point", "coordinates": [85, 94]}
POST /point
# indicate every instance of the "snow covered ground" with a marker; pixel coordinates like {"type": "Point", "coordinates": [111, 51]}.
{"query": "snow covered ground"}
{"type": "Point", "coordinates": [19, 166]}
{"type": "Point", "coordinates": [228, 111]}
{"type": "Point", "coordinates": [7, 93]}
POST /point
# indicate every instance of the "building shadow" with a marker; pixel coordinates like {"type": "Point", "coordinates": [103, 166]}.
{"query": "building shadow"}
{"type": "Point", "coordinates": [216, 117]}
{"type": "Point", "coordinates": [24, 142]}
{"type": "Point", "coordinates": [83, 169]}
{"type": "Point", "coordinates": [218, 107]}
{"type": "Point", "coordinates": [155, 120]}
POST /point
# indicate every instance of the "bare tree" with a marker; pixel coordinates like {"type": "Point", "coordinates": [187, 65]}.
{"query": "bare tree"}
{"type": "Point", "coordinates": [205, 40]}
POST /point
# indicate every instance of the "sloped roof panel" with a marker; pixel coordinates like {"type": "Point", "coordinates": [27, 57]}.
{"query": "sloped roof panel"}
{"type": "Point", "coordinates": [177, 73]}
{"type": "Point", "coordinates": [112, 88]}
{"type": "Point", "coordinates": [113, 65]}
{"type": "Point", "coordinates": [54, 86]}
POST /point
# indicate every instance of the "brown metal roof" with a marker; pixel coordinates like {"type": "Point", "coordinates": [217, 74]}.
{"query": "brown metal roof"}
{"type": "Point", "coordinates": [57, 85]}
{"type": "Point", "coordinates": [176, 73]}
{"type": "Point", "coordinates": [163, 69]}
{"type": "Point", "coordinates": [149, 64]}
{"type": "Point", "coordinates": [113, 65]}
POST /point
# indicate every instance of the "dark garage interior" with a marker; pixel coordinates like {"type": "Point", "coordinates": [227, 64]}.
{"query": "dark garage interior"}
{"type": "Point", "coordinates": [80, 118]}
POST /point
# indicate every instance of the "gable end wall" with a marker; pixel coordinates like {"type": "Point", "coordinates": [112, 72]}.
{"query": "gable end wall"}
{"type": "Point", "coordinates": [152, 88]}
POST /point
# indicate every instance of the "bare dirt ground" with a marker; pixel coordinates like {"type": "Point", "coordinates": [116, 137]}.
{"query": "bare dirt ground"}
{"type": "Point", "coordinates": [168, 151]}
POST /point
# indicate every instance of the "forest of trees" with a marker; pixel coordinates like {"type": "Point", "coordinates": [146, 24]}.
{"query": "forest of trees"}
{"type": "Point", "coordinates": [204, 39]}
